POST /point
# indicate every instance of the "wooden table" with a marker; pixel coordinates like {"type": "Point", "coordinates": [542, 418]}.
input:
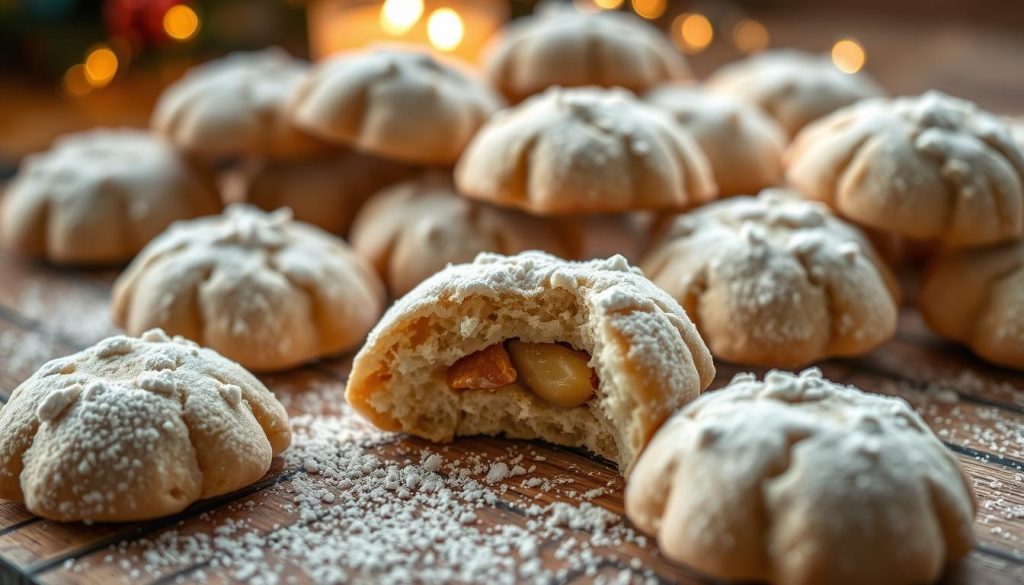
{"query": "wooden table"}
{"type": "Point", "coordinates": [978, 411]}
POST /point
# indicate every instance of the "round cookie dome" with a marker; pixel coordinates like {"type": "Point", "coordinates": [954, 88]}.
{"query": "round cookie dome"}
{"type": "Point", "coordinates": [775, 280]}
{"type": "Point", "coordinates": [416, 228]}
{"type": "Point", "coordinates": [326, 191]}
{"type": "Point", "coordinates": [583, 354]}
{"type": "Point", "coordinates": [98, 197]}
{"type": "Point", "coordinates": [976, 297]}
{"type": "Point", "coordinates": [259, 288]}
{"type": "Point", "coordinates": [797, 481]}
{"type": "Point", "coordinates": [743, 145]}
{"type": "Point", "coordinates": [136, 428]}
{"type": "Point", "coordinates": [395, 101]}
{"type": "Point", "coordinates": [792, 86]}
{"type": "Point", "coordinates": [585, 150]}
{"type": "Point", "coordinates": [931, 167]}
{"type": "Point", "coordinates": [569, 48]}
{"type": "Point", "coordinates": [236, 106]}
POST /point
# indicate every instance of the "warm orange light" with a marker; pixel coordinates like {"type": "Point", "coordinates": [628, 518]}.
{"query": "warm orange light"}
{"type": "Point", "coordinates": [181, 22]}
{"type": "Point", "coordinates": [848, 56]}
{"type": "Point", "coordinates": [398, 16]}
{"type": "Point", "coordinates": [649, 9]}
{"type": "Point", "coordinates": [692, 32]}
{"type": "Point", "coordinates": [100, 66]}
{"type": "Point", "coordinates": [608, 4]}
{"type": "Point", "coordinates": [750, 36]}
{"type": "Point", "coordinates": [75, 83]}
{"type": "Point", "coordinates": [445, 29]}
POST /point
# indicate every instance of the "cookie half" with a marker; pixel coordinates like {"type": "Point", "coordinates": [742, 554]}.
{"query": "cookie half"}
{"type": "Point", "coordinates": [586, 354]}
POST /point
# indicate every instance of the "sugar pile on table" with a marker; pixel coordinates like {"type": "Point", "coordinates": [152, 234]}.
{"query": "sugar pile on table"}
{"type": "Point", "coordinates": [361, 505]}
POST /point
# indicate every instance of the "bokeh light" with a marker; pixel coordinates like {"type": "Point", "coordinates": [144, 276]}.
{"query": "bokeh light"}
{"type": "Point", "coordinates": [848, 56]}
{"type": "Point", "coordinates": [398, 16]}
{"type": "Point", "coordinates": [181, 22]}
{"type": "Point", "coordinates": [445, 29]}
{"type": "Point", "coordinates": [692, 32]}
{"type": "Point", "coordinates": [608, 4]}
{"type": "Point", "coordinates": [649, 9]}
{"type": "Point", "coordinates": [100, 66]}
{"type": "Point", "coordinates": [750, 36]}
{"type": "Point", "coordinates": [75, 83]}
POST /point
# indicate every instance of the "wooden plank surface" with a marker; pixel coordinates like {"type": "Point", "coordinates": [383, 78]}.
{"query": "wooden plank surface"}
{"type": "Point", "coordinates": [978, 410]}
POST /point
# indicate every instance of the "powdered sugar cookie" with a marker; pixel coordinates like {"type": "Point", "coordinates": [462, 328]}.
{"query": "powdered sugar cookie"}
{"type": "Point", "coordinates": [416, 228]}
{"type": "Point", "coordinates": [798, 480]}
{"type": "Point", "coordinates": [743, 144]}
{"type": "Point", "coordinates": [97, 197]}
{"type": "Point", "coordinates": [259, 288]}
{"type": "Point", "coordinates": [136, 428]}
{"type": "Point", "coordinates": [1017, 127]}
{"type": "Point", "coordinates": [776, 280]}
{"type": "Point", "coordinates": [326, 191]}
{"type": "Point", "coordinates": [585, 150]}
{"type": "Point", "coordinates": [583, 354]}
{"type": "Point", "coordinates": [395, 101]}
{"type": "Point", "coordinates": [793, 87]}
{"type": "Point", "coordinates": [976, 297]}
{"type": "Point", "coordinates": [568, 48]}
{"type": "Point", "coordinates": [236, 106]}
{"type": "Point", "coordinates": [930, 167]}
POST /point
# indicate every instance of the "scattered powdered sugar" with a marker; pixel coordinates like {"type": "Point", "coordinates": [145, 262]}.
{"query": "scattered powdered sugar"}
{"type": "Point", "coordinates": [22, 353]}
{"type": "Point", "coordinates": [361, 507]}
{"type": "Point", "coordinates": [79, 313]}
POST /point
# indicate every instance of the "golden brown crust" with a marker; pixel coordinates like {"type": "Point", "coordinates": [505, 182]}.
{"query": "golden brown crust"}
{"type": "Point", "coordinates": [136, 428]}
{"type": "Point", "coordinates": [568, 48]}
{"type": "Point", "coordinates": [930, 167]}
{"type": "Point", "coordinates": [974, 297]}
{"type": "Point", "coordinates": [585, 150]}
{"type": "Point", "coordinates": [395, 101]}
{"type": "Point", "coordinates": [776, 280]}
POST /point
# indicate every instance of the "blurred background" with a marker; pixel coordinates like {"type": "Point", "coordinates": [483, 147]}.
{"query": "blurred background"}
{"type": "Point", "coordinates": [73, 64]}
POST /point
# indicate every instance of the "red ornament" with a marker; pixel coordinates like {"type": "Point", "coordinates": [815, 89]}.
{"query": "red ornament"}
{"type": "Point", "coordinates": [140, 22]}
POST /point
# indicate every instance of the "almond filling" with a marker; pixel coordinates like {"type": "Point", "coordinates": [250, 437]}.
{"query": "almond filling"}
{"type": "Point", "coordinates": [553, 371]}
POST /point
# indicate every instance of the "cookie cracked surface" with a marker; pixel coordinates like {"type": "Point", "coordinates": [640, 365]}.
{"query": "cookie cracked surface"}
{"type": "Point", "coordinates": [136, 428]}
{"type": "Point", "coordinates": [796, 480]}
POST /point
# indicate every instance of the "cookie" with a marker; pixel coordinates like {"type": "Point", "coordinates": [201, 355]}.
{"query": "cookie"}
{"type": "Point", "coordinates": [586, 354]}
{"type": "Point", "coordinates": [585, 150]}
{"type": "Point", "coordinates": [792, 86]}
{"type": "Point", "coordinates": [743, 145]}
{"type": "Point", "coordinates": [395, 101]}
{"type": "Point", "coordinates": [326, 191]}
{"type": "Point", "coordinates": [266, 291]}
{"type": "Point", "coordinates": [930, 167]}
{"type": "Point", "coordinates": [416, 228]}
{"type": "Point", "coordinates": [98, 197]}
{"type": "Point", "coordinates": [975, 297]}
{"type": "Point", "coordinates": [236, 106]}
{"type": "Point", "coordinates": [136, 428]}
{"type": "Point", "coordinates": [1017, 128]}
{"type": "Point", "coordinates": [568, 48]}
{"type": "Point", "coordinates": [796, 480]}
{"type": "Point", "coordinates": [776, 280]}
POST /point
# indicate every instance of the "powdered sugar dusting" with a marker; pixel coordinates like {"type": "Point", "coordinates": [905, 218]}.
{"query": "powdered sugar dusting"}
{"type": "Point", "coordinates": [361, 507]}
